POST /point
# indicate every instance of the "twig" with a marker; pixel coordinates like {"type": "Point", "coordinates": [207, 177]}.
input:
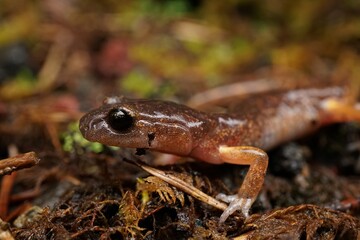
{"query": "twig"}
{"type": "Point", "coordinates": [8, 166]}
{"type": "Point", "coordinates": [18, 162]}
{"type": "Point", "coordinates": [178, 183]}
{"type": "Point", "coordinates": [7, 184]}
{"type": "Point", "coordinates": [235, 90]}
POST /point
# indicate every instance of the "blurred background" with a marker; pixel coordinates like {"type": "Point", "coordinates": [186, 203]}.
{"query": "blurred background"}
{"type": "Point", "coordinates": [60, 58]}
{"type": "Point", "coordinates": [172, 48]}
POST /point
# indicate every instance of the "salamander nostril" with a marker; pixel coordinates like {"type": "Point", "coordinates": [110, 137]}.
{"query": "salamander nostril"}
{"type": "Point", "coordinates": [83, 126]}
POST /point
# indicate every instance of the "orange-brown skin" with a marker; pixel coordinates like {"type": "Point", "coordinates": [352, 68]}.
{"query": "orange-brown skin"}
{"type": "Point", "coordinates": [239, 136]}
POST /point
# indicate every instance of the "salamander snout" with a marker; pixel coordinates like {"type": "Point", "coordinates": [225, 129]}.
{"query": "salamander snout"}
{"type": "Point", "coordinates": [102, 125]}
{"type": "Point", "coordinates": [91, 126]}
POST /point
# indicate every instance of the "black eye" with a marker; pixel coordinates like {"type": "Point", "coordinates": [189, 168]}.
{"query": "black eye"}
{"type": "Point", "coordinates": [120, 120]}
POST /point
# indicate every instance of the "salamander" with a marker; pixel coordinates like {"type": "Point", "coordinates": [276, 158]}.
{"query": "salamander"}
{"type": "Point", "coordinates": [241, 135]}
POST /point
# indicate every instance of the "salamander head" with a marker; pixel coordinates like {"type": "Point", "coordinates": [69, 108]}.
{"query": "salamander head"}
{"type": "Point", "coordinates": [159, 125]}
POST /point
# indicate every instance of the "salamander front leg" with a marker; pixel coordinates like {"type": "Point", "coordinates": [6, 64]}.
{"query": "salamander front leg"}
{"type": "Point", "coordinates": [254, 179]}
{"type": "Point", "coordinates": [337, 111]}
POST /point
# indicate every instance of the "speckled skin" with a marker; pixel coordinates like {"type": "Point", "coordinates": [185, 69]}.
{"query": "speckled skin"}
{"type": "Point", "coordinates": [261, 121]}
{"type": "Point", "coordinates": [268, 120]}
{"type": "Point", "coordinates": [239, 136]}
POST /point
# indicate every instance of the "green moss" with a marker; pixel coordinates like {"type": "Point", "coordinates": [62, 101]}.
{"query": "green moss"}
{"type": "Point", "coordinates": [163, 9]}
{"type": "Point", "coordinates": [138, 83]}
{"type": "Point", "coordinates": [23, 85]}
{"type": "Point", "coordinates": [73, 141]}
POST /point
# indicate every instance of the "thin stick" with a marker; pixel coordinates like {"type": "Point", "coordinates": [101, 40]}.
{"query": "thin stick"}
{"type": "Point", "coordinates": [235, 90]}
{"type": "Point", "coordinates": [18, 162]}
{"type": "Point", "coordinates": [178, 183]}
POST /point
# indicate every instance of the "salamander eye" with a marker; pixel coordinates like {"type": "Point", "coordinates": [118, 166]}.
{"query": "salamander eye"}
{"type": "Point", "coordinates": [120, 120]}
